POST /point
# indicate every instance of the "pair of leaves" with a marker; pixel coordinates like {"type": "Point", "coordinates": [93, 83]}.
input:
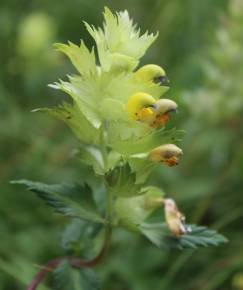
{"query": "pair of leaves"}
{"type": "Point", "coordinates": [73, 200]}
{"type": "Point", "coordinates": [199, 236]}
{"type": "Point", "coordinates": [67, 278]}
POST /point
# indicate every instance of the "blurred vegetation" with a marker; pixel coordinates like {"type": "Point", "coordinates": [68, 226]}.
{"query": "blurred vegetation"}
{"type": "Point", "coordinates": [201, 47]}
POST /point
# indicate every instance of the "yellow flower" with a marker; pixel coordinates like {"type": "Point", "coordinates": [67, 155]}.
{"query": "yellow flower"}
{"type": "Point", "coordinates": [139, 106]}
{"type": "Point", "coordinates": [144, 108]}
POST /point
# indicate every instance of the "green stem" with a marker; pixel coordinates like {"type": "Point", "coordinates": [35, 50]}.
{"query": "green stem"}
{"type": "Point", "coordinates": [109, 206]}
{"type": "Point", "coordinates": [103, 148]}
{"type": "Point", "coordinates": [109, 197]}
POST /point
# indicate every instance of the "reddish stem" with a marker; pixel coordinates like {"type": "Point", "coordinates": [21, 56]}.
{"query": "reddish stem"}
{"type": "Point", "coordinates": [40, 275]}
{"type": "Point", "coordinates": [74, 262]}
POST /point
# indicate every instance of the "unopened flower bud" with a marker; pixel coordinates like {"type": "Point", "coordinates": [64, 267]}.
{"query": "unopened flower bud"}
{"type": "Point", "coordinates": [167, 153]}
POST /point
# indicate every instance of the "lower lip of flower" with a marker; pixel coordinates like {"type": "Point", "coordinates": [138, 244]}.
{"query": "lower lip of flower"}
{"type": "Point", "coordinates": [172, 161]}
{"type": "Point", "coordinates": [163, 118]}
{"type": "Point", "coordinates": [160, 120]}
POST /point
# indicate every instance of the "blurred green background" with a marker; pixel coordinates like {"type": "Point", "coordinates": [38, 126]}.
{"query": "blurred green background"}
{"type": "Point", "coordinates": [201, 47]}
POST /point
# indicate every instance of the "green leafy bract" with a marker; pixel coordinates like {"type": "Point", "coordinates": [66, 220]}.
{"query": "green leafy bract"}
{"type": "Point", "coordinates": [119, 43]}
{"type": "Point", "coordinates": [122, 181]}
{"type": "Point", "coordinates": [145, 143]}
{"type": "Point", "coordinates": [84, 94]}
{"type": "Point", "coordinates": [92, 156]}
{"type": "Point", "coordinates": [77, 122]}
{"type": "Point", "coordinates": [83, 60]}
{"type": "Point", "coordinates": [132, 211]}
{"type": "Point", "coordinates": [141, 166]}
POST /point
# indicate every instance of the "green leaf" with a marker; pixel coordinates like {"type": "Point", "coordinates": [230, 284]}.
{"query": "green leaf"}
{"type": "Point", "coordinates": [63, 279]}
{"type": "Point", "coordinates": [77, 122]}
{"type": "Point", "coordinates": [67, 278]}
{"type": "Point", "coordinates": [113, 159]}
{"type": "Point", "coordinates": [83, 60]}
{"type": "Point", "coordinates": [71, 234]}
{"type": "Point", "coordinates": [78, 237]}
{"type": "Point", "coordinates": [72, 200]}
{"type": "Point", "coordinates": [152, 191]}
{"type": "Point", "coordinates": [121, 131]}
{"type": "Point", "coordinates": [89, 280]}
{"type": "Point", "coordinates": [147, 142]}
{"type": "Point", "coordinates": [132, 211]}
{"type": "Point", "coordinates": [112, 109]}
{"type": "Point", "coordinates": [141, 166]}
{"type": "Point", "coordinates": [122, 181]}
{"type": "Point", "coordinates": [85, 94]}
{"type": "Point", "coordinates": [200, 236]}
{"type": "Point", "coordinates": [114, 99]}
{"type": "Point", "coordinates": [93, 157]}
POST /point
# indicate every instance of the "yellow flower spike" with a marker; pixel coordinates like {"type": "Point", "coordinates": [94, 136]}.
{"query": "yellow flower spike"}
{"type": "Point", "coordinates": [139, 107]}
{"type": "Point", "coordinates": [152, 72]}
{"type": "Point", "coordinates": [167, 153]}
{"type": "Point", "coordinates": [162, 109]}
{"type": "Point", "coordinates": [174, 218]}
